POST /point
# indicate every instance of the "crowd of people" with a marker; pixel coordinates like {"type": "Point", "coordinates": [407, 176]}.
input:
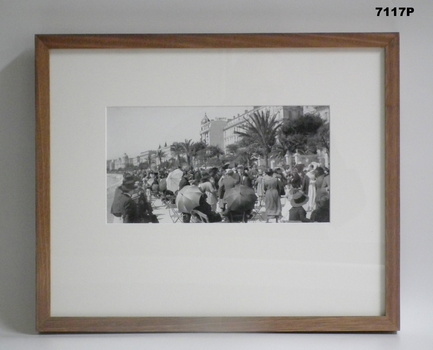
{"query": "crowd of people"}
{"type": "Point", "coordinates": [303, 188]}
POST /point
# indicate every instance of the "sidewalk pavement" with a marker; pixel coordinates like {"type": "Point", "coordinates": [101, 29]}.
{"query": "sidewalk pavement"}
{"type": "Point", "coordinates": [161, 211]}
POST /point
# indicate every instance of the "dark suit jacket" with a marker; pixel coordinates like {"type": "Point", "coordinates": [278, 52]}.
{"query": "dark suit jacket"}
{"type": "Point", "coordinates": [124, 206]}
{"type": "Point", "coordinates": [227, 183]}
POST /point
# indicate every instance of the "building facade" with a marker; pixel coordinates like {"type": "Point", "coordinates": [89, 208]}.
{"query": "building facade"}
{"type": "Point", "coordinates": [222, 132]}
{"type": "Point", "coordinates": [212, 131]}
{"type": "Point", "coordinates": [120, 163]}
{"type": "Point", "coordinates": [147, 157]}
{"type": "Point", "coordinates": [236, 123]}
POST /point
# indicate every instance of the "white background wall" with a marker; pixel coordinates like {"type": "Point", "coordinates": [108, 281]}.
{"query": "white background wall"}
{"type": "Point", "coordinates": [20, 20]}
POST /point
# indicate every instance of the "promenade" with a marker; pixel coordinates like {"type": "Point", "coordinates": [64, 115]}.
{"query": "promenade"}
{"type": "Point", "coordinates": [159, 208]}
{"type": "Point", "coordinates": [162, 212]}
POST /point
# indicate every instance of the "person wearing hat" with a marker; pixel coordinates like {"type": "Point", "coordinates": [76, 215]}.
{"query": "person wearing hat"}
{"type": "Point", "coordinates": [259, 184]}
{"type": "Point", "coordinates": [278, 173]}
{"type": "Point", "coordinates": [228, 181]}
{"type": "Point", "coordinates": [295, 178]}
{"type": "Point", "coordinates": [144, 211]}
{"type": "Point", "coordinates": [197, 174]}
{"type": "Point", "coordinates": [214, 177]}
{"type": "Point", "coordinates": [311, 190]}
{"type": "Point", "coordinates": [246, 179]}
{"type": "Point", "coordinates": [209, 190]}
{"type": "Point", "coordinates": [237, 173]}
{"type": "Point", "coordinates": [297, 212]}
{"type": "Point", "coordinates": [272, 196]}
{"type": "Point", "coordinates": [124, 208]}
{"type": "Point", "coordinates": [184, 181]}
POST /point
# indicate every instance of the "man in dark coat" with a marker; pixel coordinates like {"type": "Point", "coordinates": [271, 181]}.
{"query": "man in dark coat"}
{"type": "Point", "coordinates": [246, 178]}
{"type": "Point", "coordinates": [214, 177]}
{"type": "Point", "coordinates": [296, 180]}
{"type": "Point", "coordinates": [124, 208]}
{"type": "Point", "coordinates": [184, 181]}
{"type": "Point", "coordinates": [237, 174]}
{"type": "Point", "coordinates": [279, 173]}
{"type": "Point", "coordinates": [227, 182]}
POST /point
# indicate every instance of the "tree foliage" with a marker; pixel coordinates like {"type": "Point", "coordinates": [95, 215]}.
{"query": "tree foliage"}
{"type": "Point", "coordinates": [305, 134]}
{"type": "Point", "coordinates": [189, 148]}
{"type": "Point", "coordinates": [322, 137]}
{"type": "Point", "coordinates": [150, 155]}
{"type": "Point", "coordinates": [160, 154]}
{"type": "Point", "coordinates": [176, 149]}
{"type": "Point", "coordinates": [197, 151]}
{"type": "Point", "coordinates": [214, 151]}
{"type": "Point", "coordinates": [260, 132]}
{"type": "Point", "coordinates": [209, 155]}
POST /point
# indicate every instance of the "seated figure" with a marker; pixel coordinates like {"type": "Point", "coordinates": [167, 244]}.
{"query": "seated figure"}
{"type": "Point", "coordinates": [204, 208]}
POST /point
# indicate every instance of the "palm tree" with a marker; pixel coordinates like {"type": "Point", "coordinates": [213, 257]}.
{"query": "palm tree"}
{"type": "Point", "coordinates": [241, 152]}
{"type": "Point", "coordinates": [149, 157]}
{"type": "Point", "coordinates": [160, 154]}
{"type": "Point", "coordinates": [176, 149]}
{"type": "Point", "coordinates": [188, 150]}
{"type": "Point", "coordinates": [261, 129]}
{"type": "Point", "coordinates": [196, 149]}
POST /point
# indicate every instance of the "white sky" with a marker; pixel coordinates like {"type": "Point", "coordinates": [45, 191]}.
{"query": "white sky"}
{"type": "Point", "coordinates": [132, 130]}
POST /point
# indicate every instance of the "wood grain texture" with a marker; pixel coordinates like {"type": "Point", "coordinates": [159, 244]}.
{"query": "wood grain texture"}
{"type": "Point", "coordinates": [392, 179]}
{"type": "Point", "coordinates": [123, 41]}
{"type": "Point", "coordinates": [43, 287]}
{"type": "Point", "coordinates": [217, 324]}
{"type": "Point", "coordinates": [390, 322]}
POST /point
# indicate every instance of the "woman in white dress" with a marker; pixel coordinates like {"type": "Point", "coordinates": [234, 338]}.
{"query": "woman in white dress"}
{"type": "Point", "coordinates": [311, 204]}
{"type": "Point", "coordinates": [260, 186]}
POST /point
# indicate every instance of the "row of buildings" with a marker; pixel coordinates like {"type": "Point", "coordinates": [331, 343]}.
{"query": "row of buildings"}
{"type": "Point", "coordinates": [149, 156]}
{"type": "Point", "coordinates": [220, 132]}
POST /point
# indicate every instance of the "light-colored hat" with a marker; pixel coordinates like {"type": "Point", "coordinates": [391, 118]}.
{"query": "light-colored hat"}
{"type": "Point", "coordinates": [314, 165]}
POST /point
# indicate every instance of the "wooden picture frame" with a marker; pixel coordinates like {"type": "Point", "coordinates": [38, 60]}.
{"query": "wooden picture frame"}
{"type": "Point", "coordinates": [388, 43]}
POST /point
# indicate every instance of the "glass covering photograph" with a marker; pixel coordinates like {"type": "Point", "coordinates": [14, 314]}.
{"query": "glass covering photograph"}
{"type": "Point", "coordinates": [249, 164]}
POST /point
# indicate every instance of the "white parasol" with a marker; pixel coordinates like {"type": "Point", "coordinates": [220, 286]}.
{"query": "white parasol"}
{"type": "Point", "coordinates": [173, 180]}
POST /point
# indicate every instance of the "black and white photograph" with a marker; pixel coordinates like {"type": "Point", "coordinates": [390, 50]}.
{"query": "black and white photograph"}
{"type": "Point", "coordinates": [246, 164]}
